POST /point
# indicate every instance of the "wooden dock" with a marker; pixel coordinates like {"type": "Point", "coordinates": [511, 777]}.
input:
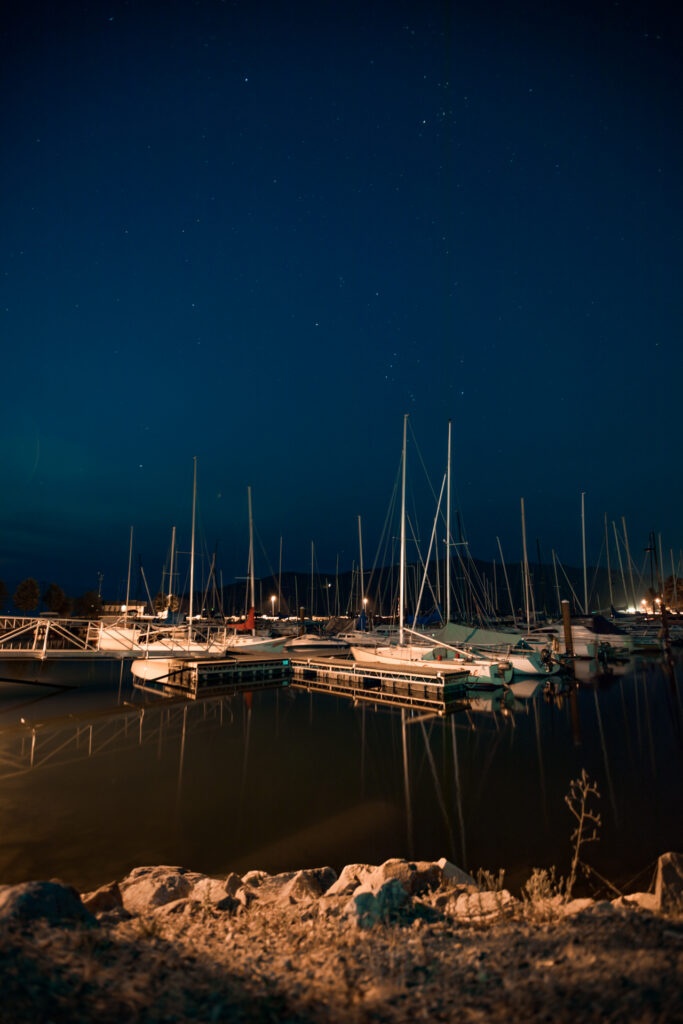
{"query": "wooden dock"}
{"type": "Point", "coordinates": [217, 676]}
{"type": "Point", "coordinates": [431, 689]}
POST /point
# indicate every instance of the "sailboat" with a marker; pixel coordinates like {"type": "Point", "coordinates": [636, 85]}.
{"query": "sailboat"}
{"type": "Point", "coordinates": [244, 639]}
{"type": "Point", "coordinates": [426, 652]}
{"type": "Point", "coordinates": [165, 650]}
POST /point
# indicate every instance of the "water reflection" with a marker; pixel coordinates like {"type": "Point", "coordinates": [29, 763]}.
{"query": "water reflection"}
{"type": "Point", "coordinates": [286, 778]}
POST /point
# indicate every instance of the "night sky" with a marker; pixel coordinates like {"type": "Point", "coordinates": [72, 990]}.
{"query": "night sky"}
{"type": "Point", "coordinates": [260, 233]}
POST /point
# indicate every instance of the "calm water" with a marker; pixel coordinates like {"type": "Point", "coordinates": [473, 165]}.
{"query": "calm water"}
{"type": "Point", "coordinates": [287, 779]}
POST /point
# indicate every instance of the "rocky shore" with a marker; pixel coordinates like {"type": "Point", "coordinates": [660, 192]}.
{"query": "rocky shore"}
{"type": "Point", "coordinates": [418, 941]}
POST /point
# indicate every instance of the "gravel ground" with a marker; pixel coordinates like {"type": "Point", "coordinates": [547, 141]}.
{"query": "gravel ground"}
{"type": "Point", "coordinates": [269, 962]}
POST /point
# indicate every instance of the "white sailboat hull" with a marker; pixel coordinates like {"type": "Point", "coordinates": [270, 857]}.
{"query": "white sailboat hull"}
{"type": "Point", "coordinates": [253, 644]}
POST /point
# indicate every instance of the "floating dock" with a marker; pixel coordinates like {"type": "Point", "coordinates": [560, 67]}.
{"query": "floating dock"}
{"type": "Point", "coordinates": [193, 678]}
{"type": "Point", "coordinates": [431, 689]}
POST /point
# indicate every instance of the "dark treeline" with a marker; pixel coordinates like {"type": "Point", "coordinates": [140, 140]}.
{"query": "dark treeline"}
{"type": "Point", "coordinates": [479, 591]}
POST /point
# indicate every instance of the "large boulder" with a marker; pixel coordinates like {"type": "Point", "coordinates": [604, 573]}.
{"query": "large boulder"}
{"type": "Point", "coordinates": [50, 901]}
{"type": "Point", "coordinates": [180, 909]}
{"type": "Point", "coordinates": [370, 905]}
{"type": "Point", "coordinates": [414, 876]}
{"type": "Point", "coordinates": [637, 901]}
{"type": "Point", "coordinates": [213, 890]}
{"type": "Point", "coordinates": [483, 906]}
{"type": "Point", "coordinates": [148, 887]}
{"type": "Point", "coordinates": [350, 878]}
{"type": "Point", "coordinates": [307, 885]}
{"type": "Point", "coordinates": [103, 899]}
{"type": "Point", "coordinates": [577, 906]}
{"type": "Point", "coordinates": [255, 878]}
{"type": "Point", "coordinates": [669, 881]}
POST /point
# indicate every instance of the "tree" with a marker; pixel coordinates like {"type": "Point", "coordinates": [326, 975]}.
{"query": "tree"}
{"type": "Point", "coordinates": [89, 605]}
{"type": "Point", "coordinates": [54, 598]}
{"type": "Point", "coordinates": [27, 595]}
{"type": "Point", "coordinates": [160, 602]}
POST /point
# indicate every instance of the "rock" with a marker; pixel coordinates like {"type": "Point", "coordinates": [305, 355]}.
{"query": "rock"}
{"type": "Point", "coordinates": [305, 885]}
{"type": "Point", "coordinates": [52, 901]}
{"type": "Point", "coordinates": [148, 887]}
{"type": "Point", "coordinates": [414, 876]}
{"type": "Point", "coordinates": [484, 906]}
{"type": "Point", "coordinates": [212, 890]}
{"type": "Point", "coordinates": [637, 900]}
{"type": "Point", "coordinates": [105, 898]}
{"type": "Point", "coordinates": [183, 907]}
{"type": "Point", "coordinates": [326, 876]}
{"type": "Point", "coordinates": [229, 904]}
{"type": "Point", "coordinates": [369, 906]}
{"type": "Point", "coordinates": [114, 916]}
{"type": "Point", "coordinates": [576, 906]}
{"type": "Point", "coordinates": [243, 897]}
{"type": "Point", "coordinates": [254, 878]}
{"type": "Point", "coordinates": [453, 874]}
{"type": "Point", "coordinates": [350, 878]}
{"type": "Point", "coordinates": [601, 908]}
{"type": "Point", "coordinates": [233, 882]}
{"type": "Point", "coordinates": [669, 881]}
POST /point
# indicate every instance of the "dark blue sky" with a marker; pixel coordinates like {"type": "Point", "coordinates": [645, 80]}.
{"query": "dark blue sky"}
{"type": "Point", "coordinates": [259, 233]}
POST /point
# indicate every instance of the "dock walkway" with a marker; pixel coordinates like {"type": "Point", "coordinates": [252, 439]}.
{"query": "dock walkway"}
{"type": "Point", "coordinates": [431, 689]}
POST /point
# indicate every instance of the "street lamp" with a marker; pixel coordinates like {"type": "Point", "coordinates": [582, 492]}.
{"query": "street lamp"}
{"type": "Point", "coordinates": [272, 606]}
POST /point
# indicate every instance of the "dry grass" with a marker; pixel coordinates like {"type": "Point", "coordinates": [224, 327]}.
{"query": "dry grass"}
{"type": "Point", "coordinates": [291, 964]}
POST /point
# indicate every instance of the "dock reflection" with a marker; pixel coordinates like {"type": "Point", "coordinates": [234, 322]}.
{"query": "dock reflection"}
{"type": "Point", "coordinates": [232, 776]}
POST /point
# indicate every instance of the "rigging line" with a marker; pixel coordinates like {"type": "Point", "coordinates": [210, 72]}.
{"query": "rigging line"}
{"type": "Point", "coordinates": [386, 532]}
{"type": "Point", "coordinates": [265, 555]}
{"type": "Point", "coordinates": [424, 564]}
{"type": "Point", "coordinates": [568, 580]}
{"type": "Point", "coordinates": [429, 553]}
{"type": "Point", "coordinates": [595, 576]}
{"type": "Point", "coordinates": [475, 595]}
{"type": "Point", "coordinates": [149, 596]}
{"type": "Point", "coordinates": [422, 462]}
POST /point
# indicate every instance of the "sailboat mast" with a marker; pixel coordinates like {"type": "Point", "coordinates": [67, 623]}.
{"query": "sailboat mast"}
{"type": "Point", "coordinates": [170, 571]}
{"type": "Point", "coordinates": [312, 573]}
{"type": "Point", "coordinates": [609, 570]}
{"type": "Point", "coordinates": [336, 589]}
{"type": "Point", "coordinates": [629, 562]}
{"type": "Point", "coordinates": [583, 544]}
{"type": "Point", "coordinates": [448, 528]}
{"type": "Point", "coordinates": [526, 570]}
{"type": "Point", "coordinates": [402, 580]}
{"type": "Point", "coordinates": [130, 559]}
{"type": "Point", "coordinates": [362, 575]}
{"type": "Point", "coordinates": [194, 508]}
{"type": "Point", "coordinates": [279, 581]}
{"type": "Point", "coordinates": [621, 564]}
{"type": "Point", "coordinates": [252, 588]}
{"type": "Point", "coordinates": [674, 596]}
